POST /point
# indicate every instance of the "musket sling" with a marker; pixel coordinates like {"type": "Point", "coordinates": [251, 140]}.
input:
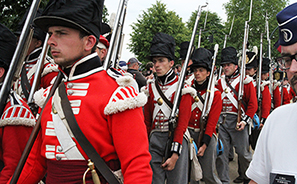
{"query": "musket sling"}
{"type": "Point", "coordinates": [83, 141]}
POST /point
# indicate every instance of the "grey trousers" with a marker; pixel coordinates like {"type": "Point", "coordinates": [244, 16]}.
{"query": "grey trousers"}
{"type": "Point", "coordinates": [207, 161]}
{"type": "Point", "coordinates": [240, 140]}
{"type": "Point", "coordinates": [179, 175]}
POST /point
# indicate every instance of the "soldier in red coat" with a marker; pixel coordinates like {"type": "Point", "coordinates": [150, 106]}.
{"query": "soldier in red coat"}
{"type": "Point", "coordinates": [201, 67]}
{"type": "Point", "coordinates": [232, 132]}
{"type": "Point", "coordinates": [157, 111]}
{"type": "Point", "coordinates": [16, 121]}
{"type": "Point", "coordinates": [104, 105]}
{"type": "Point", "coordinates": [50, 70]}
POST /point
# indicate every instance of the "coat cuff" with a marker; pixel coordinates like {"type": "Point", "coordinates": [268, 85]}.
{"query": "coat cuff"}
{"type": "Point", "coordinates": [176, 148]}
{"type": "Point", "coordinates": [206, 139]}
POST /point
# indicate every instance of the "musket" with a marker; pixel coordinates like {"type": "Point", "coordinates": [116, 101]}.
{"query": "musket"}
{"type": "Point", "coordinates": [180, 86]}
{"type": "Point", "coordinates": [200, 30]}
{"type": "Point", "coordinates": [113, 41]}
{"type": "Point", "coordinates": [34, 134]}
{"type": "Point", "coordinates": [259, 94]}
{"type": "Point", "coordinates": [243, 61]}
{"type": "Point", "coordinates": [120, 38]}
{"type": "Point", "coordinates": [224, 46]}
{"type": "Point", "coordinates": [15, 66]}
{"type": "Point", "coordinates": [37, 75]}
{"type": "Point", "coordinates": [204, 114]}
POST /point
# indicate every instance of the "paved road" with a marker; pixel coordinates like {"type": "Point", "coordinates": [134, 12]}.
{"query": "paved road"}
{"type": "Point", "coordinates": [232, 170]}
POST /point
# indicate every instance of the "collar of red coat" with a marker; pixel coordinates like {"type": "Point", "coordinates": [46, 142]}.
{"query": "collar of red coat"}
{"type": "Point", "coordinates": [83, 67]}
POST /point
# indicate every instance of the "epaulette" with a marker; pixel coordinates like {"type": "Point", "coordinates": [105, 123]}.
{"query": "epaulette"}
{"type": "Point", "coordinates": [188, 90]}
{"type": "Point", "coordinates": [40, 96]}
{"type": "Point", "coordinates": [49, 67]}
{"type": "Point", "coordinates": [275, 84]}
{"type": "Point", "coordinates": [145, 89]}
{"type": "Point", "coordinates": [264, 83]}
{"type": "Point", "coordinates": [16, 113]}
{"type": "Point", "coordinates": [126, 96]}
{"type": "Point", "coordinates": [247, 80]}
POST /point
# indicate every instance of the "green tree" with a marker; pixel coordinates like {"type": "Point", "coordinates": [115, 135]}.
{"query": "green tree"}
{"type": "Point", "coordinates": [156, 19]}
{"type": "Point", "coordinates": [240, 9]}
{"type": "Point", "coordinates": [213, 32]}
{"type": "Point", "coordinates": [13, 11]}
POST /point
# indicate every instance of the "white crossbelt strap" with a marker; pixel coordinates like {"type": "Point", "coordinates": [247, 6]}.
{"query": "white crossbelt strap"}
{"type": "Point", "coordinates": [69, 146]}
{"type": "Point", "coordinates": [228, 90]}
{"type": "Point", "coordinates": [164, 107]}
{"type": "Point", "coordinates": [198, 104]}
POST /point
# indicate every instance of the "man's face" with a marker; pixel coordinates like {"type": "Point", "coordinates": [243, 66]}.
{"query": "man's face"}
{"type": "Point", "coordinates": [162, 65]}
{"type": "Point", "coordinates": [264, 76]}
{"type": "Point", "coordinates": [190, 62]}
{"type": "Point", "coordinates": [250, 71]}
{"type": "Point", "coordinates": [229, 68]}
{"type": "Point", "coordinates": [200, 74]}
{"type": "Point", "coordinates": [292, 71]}
{"type": "Point", "coordinates": [102, 53]}
{"type": "Point", "coordinates": [66, 45]}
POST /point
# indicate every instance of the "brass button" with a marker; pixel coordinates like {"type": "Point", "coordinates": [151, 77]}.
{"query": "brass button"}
{"type": "Point", "coordinates": [160, 101]}
{"type": "Point", "coordinates": [196, 99]}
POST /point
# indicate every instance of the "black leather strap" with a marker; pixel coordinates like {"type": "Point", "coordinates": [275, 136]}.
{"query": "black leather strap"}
{"type": "Point", "coordinates": [200, 98]}
{"type": "Point", "coordinates": [25, 84]}
{"type": "Point", "coordinates": [236, 94]}
{"type": "Point", "coordinates": [162, 95]}
{"type": "Point", "coordinates": [82, 140]}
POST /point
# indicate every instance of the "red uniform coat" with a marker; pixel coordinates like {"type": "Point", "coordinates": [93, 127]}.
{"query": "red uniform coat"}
{"type": "Point", "coordinates": [286, 96]}
{"type": "Point", "coordinates": [276, 96]}
{"type": "Point", "coordinates": [266, 102]}
{"type": "Point", "coordinates": [292, 93]}
{"type": "Point", "coordinates": [249, 97]}
{"type": "Point", "coordinates": [50, 71]}
{"type": "Point", "coordinates": [184, 110]}
{"type": "Point", "coordinates": [109, 114]}
{"type": "Point", "coordinates": [213, 116]}
{"type": "Point", "coordinates": [15, 130]}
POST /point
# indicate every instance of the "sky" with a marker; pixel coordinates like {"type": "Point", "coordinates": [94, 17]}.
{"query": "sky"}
{"type": "Point", "coordinates": [182, 8]}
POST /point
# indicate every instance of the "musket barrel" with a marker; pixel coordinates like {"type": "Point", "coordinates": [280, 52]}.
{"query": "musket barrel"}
{"type": "Point", "coordinates": [39, 69]}
{"type": "Point", "coordinates": [114, 34]}
{"type": "Point", "coordinates": [183, 71]}
{"type": "Point", "coordinates": [20, 51]}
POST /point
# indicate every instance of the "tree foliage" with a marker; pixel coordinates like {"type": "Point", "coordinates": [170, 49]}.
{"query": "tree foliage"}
{"type": "Point", "coordinates": [213, 32]}
{"type": "Point", "coordinates": [156, 19]}
{"type": "Point", "coordinates": [240, 9]}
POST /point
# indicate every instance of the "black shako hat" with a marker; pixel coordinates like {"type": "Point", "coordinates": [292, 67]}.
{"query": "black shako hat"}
{"type": "Point", "coordinates": [106, 31]}
{"type": "Point", "coordinates": [251, 60]}
{"type": "Point", "coordinates": [162, 45]}
{"type": "Point", "coordinates": [265, 65]}
{"type": "Point", "coordinates": [184, 49]}
{"type": "Point", "coordinates": [38, 33]}
{"type": "Point", "coordinates": [78, 14]}
{"type": "Point", "coordinates": [7, 46]}
{"type": "Point", "coordinates": [229, 55]}
{"type": "Point", "coordinates": [278, 75]}
{"type": "Point", "coordinates": [201, 58]}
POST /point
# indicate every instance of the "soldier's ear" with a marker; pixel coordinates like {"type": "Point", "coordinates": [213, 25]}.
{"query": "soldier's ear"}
{"type": "Point", "coordinates": [90, 42]}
